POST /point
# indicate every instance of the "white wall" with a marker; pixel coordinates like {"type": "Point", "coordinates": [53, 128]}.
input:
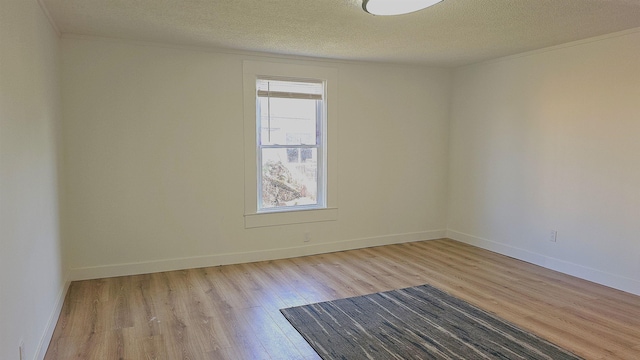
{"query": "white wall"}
{"type": "Point", "coordinates": [31, 275]}
{"type": "Point", "coordinates": [551, 140]}
{"type": "Point", "coordinates": [154, 159]}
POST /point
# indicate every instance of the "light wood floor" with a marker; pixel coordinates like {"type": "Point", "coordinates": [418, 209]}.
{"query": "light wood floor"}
{"type": "Point", "coordinates": [231, 312]}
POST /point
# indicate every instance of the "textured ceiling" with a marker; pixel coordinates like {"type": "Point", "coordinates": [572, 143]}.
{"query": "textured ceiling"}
{"type": "Point", "coordinates": [452, 33]}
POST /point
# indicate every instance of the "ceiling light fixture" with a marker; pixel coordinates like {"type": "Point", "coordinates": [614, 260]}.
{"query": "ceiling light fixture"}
{"type": "Point", "coordinates": [396, 7]}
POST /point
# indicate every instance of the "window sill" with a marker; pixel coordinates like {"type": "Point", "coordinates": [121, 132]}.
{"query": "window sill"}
{"type": "Point", "coordinates": [289, 217]}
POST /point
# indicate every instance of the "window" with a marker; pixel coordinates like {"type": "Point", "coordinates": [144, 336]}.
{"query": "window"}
{"type": "Point", "coordinates": [290, 140]}
{"type": "Point", "coordinates": [290, 133]}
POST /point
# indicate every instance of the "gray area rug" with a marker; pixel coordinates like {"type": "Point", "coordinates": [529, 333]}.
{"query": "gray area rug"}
{"type": "Point", "coordinates": [420, 322]}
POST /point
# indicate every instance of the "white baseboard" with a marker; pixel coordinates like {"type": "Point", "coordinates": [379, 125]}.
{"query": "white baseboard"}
{"type": "Point", "coordinates": [43, 345]}
{"type": "Point", "coordinates": [96, 272]}
{"type": "Point", "coordinates": [594, 275]}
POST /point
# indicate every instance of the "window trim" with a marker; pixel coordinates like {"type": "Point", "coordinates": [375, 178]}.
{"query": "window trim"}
{"type": "Point", "coordinates": [253, 70]}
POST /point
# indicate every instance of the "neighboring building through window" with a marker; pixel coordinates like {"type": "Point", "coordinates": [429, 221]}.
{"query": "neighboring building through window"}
{"type": "Point", "coordinates": [290, 144]}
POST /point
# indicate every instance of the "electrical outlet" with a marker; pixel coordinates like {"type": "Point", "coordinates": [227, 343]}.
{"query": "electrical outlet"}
{"type": "Point", "coordinates": [21, 349]}
{"type": "Point", "coordinates": [307, 237]}
{"type": "Point", "coordinates": [553, 236]}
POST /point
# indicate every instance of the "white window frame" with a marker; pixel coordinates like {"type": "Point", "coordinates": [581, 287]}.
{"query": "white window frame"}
{"type": "Point", "coordinates": [252, 71]}
{"type": "Point", "coordinates": [320, 146]}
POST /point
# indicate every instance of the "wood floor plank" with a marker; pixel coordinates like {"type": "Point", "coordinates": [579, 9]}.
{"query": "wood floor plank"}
{"type": "Point", "coordinates": [232, 312]}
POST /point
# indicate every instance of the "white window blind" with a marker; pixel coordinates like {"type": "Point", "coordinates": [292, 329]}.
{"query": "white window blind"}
{"type": "Point", "coordinates": [311, 89]}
